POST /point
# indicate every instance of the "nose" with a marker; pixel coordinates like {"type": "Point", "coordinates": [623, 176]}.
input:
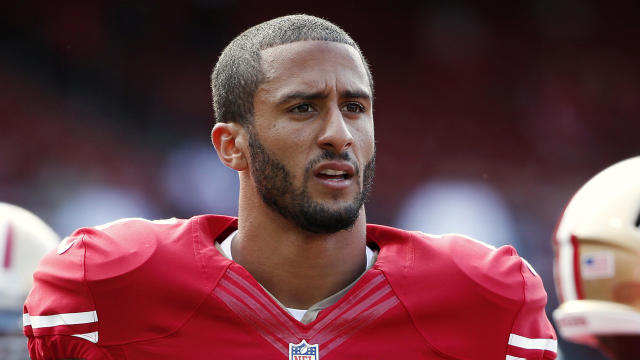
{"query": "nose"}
{"type": "Point", "coordinates": [335, 134]}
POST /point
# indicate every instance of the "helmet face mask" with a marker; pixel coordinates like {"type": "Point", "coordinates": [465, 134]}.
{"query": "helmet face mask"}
{"type": "Point", "coordinates": [597, 257]}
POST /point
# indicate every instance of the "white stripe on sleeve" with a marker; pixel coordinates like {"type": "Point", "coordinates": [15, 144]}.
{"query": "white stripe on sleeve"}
{"type": "Point", "coordinates": [509, 357]}
{"type": "Point", "coordinates": [44, 321]}
{"type": "Point", "coordinates": [533, 344]}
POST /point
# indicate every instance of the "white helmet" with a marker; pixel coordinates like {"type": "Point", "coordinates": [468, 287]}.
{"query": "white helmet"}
{"type": "Point", "coordinates": [597, 257]}
{"type": "Point", "coordinates": [24, 239]}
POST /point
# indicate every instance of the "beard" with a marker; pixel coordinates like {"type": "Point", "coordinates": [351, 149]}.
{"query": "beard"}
{"type": "Point", "coordinates": [274, 184]}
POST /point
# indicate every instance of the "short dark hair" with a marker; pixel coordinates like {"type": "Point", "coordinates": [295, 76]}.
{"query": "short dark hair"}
{"type": "Point", "coordinates": [239, 72]}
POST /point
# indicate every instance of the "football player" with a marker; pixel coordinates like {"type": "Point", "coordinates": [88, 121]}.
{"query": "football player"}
{"type": "Point", "coordinates": [299, 274]}
{"type": "Point", "coordinates": [597, 263]}
{"type": "Point", "coordinates": [24, 239]}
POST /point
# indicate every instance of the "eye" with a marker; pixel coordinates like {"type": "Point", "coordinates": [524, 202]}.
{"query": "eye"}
{"type": "Point", "coordinates": [302, 108]}
{"type": "Point", "coordinates": [353, 107]}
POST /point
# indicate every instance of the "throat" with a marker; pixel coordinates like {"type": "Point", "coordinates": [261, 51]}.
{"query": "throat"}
{"type": "Point", "coordinates": [302, 278]}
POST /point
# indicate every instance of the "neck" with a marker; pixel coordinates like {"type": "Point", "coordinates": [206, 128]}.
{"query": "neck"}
{"type": "Point", "coordinates": [297, 267]}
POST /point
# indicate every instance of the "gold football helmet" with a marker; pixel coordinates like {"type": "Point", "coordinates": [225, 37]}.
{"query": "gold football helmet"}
{"type": "Point", "coordinates": [597, 257]}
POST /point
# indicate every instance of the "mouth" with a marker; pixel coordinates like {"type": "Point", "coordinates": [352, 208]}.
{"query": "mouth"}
{"type": "Point", "coordinates": [337, 175]}
{"type": "Point", "coordinates": [330, 174]}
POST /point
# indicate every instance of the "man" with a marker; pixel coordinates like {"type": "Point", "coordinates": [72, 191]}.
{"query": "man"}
{"type": "Point", "coordinates": [597, 263]}
{"type": "Point", "coordinates": [299, 274]}
{"type": "Point", "coordinates": [24, 239]}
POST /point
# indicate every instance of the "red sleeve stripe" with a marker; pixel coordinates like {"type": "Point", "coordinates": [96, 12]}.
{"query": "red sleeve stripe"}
{"type": "Point", "coordinates": [45, 321]}
{"type": "Point", "coordinates": [533, 344]}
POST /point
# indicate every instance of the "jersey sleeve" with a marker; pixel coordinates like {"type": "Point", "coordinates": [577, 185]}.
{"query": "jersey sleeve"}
{"type": "Point", "coordinates": [467, 299]}
{"type": "Point", "coordinates": [60, 306]}
{"type": "Point", "coordinates": [519, 297]}
{"type": "Point", "coordinates": [65, 347]}
{"type": "Point", "coordinates": [532, 335]}
{"type": "Point", "coordinates": [106, 286]}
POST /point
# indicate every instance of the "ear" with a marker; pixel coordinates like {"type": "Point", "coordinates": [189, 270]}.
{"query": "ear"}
{"type": "Point", "coordinates": [229, 141]}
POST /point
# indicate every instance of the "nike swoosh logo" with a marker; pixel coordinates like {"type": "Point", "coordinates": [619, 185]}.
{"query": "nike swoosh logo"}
{"type": "Point", "coordinates": [65, 245]}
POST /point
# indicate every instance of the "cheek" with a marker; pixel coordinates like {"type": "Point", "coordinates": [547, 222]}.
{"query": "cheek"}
{"type": "Point", "coordinates": [292, 147]}
{"type": "Point", "coordinates": [366, 140]}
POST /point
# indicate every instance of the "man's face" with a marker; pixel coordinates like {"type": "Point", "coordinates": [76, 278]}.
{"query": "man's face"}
{"type": "Point", "coordinates": [311, 142]}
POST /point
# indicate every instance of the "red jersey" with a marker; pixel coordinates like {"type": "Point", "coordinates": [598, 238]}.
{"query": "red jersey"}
{"type": "Point", "coordinates": [139, 289]}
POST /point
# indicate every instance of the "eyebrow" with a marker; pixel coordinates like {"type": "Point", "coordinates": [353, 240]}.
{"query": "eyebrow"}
{"type": "Point", "coordinates": [301, 95]}
{"type": "Point", "coordinates": [356, 94]}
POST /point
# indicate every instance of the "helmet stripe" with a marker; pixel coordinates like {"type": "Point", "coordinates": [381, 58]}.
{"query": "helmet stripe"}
{"type": "Point", "coordinates": [566, 267]}
{"type": "Point", "coordinates": [576, 268]}
{"type": "Point", "coordinates": [8, 244]}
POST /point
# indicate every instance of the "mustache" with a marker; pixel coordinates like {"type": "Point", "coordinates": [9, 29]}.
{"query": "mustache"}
{"type": "Point", "coordinates": [330, 155]}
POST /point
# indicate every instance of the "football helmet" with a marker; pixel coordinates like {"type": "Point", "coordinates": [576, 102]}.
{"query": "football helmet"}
{"type": "Point", "coordinates": [24, 239]}
{"type": "Point", "coordinates": [597, 257]}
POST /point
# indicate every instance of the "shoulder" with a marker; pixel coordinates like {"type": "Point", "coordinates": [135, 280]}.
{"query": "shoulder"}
{"type": "Point", "coordinates": [455, 287]}
{"type": "Point", "coordinates": [119, 247]}
{"type": "Point", "coordinates": [419, 256]}
{"type": "Point", "coordinates": [135, 244]}
{"type": "Point", "coordinates": [108, 274]}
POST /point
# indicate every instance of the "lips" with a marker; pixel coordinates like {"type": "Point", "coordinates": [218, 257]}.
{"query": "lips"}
{"type": "Point", "coordinates": [335, 176]}
{"type": "Point", "coordinates": [332, 175]}
{"type": "Point", "coordinates": [334, 171]}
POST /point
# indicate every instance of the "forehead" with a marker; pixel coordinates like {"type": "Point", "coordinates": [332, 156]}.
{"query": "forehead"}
{"type": "Point", "coordinates": [313, 65]}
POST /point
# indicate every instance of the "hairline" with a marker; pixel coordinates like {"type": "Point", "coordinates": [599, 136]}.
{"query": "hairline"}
{"type": "Point", "coordinates": [244, 54]}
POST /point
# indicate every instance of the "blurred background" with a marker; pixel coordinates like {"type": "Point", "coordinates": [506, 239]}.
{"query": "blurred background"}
{"type": "Point", "coordinates": [489, 116]}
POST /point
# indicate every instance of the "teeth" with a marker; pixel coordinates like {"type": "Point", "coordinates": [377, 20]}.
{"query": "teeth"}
{"type": "Point", "coordinates": [330, 172]}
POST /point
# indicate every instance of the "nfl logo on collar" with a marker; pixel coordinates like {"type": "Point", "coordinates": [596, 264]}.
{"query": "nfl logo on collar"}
{"type": "Point", "coordinates": [303, 351]}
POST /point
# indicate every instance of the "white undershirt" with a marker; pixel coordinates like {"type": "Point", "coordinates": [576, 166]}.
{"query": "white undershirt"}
{"type": "Point", "coordinates": [225, 247]}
